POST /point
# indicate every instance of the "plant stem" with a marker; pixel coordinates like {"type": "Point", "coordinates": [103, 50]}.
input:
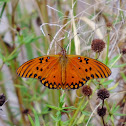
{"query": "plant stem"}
{"type": "Point", "coordinates": [76, 112]}
{"type": "Point", "coordinates": [108, 40]}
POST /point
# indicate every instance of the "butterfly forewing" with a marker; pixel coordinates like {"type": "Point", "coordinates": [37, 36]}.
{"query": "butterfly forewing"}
{"type": "Point", "coordinates": [41, 68]}
{"type": "Point", "coordinates": [82, 69]}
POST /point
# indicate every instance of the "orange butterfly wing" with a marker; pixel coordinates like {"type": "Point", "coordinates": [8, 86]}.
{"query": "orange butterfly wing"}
{"type": "Point", "coordinates": [63, 71]}
{"type": "Point", "coordinates": [80, 69]}
{"type": "Point", "coordinates": [46, 68]}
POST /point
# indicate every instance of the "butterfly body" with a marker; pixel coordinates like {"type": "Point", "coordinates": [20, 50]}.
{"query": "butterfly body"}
{"type": "Point", "coordinates": [63, 71]}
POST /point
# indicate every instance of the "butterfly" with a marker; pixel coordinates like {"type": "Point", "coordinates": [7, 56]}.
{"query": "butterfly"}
{"type": "Point", "coordinates": [63, 71]}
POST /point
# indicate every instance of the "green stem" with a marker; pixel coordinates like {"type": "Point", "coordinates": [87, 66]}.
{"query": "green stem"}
{"type": "Point", "coordinates": [4, 5]}
{"type": "Point", "coordinates": [76, 113]}
{"type": "Point", "coordinates": [109, 111]}
{"type": "Point", "coordinates": [108, 39]}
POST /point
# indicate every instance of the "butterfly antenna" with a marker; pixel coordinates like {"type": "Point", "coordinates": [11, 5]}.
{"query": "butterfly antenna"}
{"type": "Point", "coordinates": [56, 41]}
{"type": "Point", "coordinates": [70, 40]}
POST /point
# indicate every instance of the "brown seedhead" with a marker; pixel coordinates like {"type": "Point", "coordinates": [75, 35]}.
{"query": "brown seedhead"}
{"type": "Point", "coordinates": [124, 51]}
{"type": "Point", "coordinates": [103, 94]}
{"type": "Point", "coordinates": [97, 45]}
{"type": "Point", "coordinates": [101, 111]}
{"type": "Point", "coordinates": [2, 99]}
{"type": "Point", "coordinates": [86, 90]}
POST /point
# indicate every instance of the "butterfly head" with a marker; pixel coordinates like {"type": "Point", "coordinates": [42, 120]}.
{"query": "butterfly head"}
{"type": "Point", "coordinates": [63, 52]}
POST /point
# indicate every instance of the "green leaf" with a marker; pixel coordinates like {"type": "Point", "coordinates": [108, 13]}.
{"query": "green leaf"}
{"type": "Point", "coordinates": [119, 114]}
{"type": "Point", "coordinates": [2, 10]}
{"type": "Point", "coordinates": [66, 123]}
{"type": "Point", "coordinates": [70, 107]}
{"type": "Point", "coordinates": [114, 108]}
{"type": "Point", "coordinates": [112, 118]}
{"type": "Point", "coordinates": [1, 56]}
{"type": "Point", "coordinates": [56, 120]}
{"type": "Point", "coordinates": [86, 113]}
{"type": "Point", "coordinates": [4, 0]}
{"type": "Point", "coordinates": [114, 60]}
{"type": "Point", "coordinates": [31, 121]}
{"type": "Point", "coordinates": [118, 66]}
{"type": "Point", "coordinates": [81, 119]}
{"type": "Point", "coordinates": [114, 86]}
{"type": "Point", "coordinates": [123, 76]}
{"type": "Point", "coordinates": [31, 38]}
{"type": "Point", "coordinates": [11, 57]}
{"type": "Point", "coordinates": [58, 115]}
{"type": "Point", "coordinates": [54, 107]}
{"type": "Point", "coordinates": [107, 82]}
{"type": "Point", "coordinates": [37, 123]}
{"type": "Point", "coordinates": [62, 100]}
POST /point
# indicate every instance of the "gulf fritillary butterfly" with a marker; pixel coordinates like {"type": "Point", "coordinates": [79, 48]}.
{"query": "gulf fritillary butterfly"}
{"type": "Point", "coordinates": [63, 71]}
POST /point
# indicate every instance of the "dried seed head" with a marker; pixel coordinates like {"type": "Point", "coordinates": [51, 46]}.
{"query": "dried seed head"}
{"type": "Point", "coordinates": [98, 45]}
{"type": "Point", "coordinates": [2, 99]}
{"type": "Point", "coordinates": [86, 90]}
{"type": "Point", "coordinates": [124, 51]}
{"type": "Point", "coordinates": [26, 111]}
{"type": "Point", "coordinates": [101, 111]}
{"type": "Point", "coordinates": [109, 24]}
{"type": "Point", "coordinates": [38, 21]}
{"type": "Point", "coordinates": [18, 29]}
{"type": "Point", "coordinates": [103, 94]}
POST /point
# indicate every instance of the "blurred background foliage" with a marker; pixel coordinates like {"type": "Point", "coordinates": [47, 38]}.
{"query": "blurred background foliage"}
{"type": "Point", "coordinates": [32, 28]}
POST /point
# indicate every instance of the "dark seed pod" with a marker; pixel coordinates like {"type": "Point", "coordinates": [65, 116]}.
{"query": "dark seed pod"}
{"type": "Point", "coordinates": [103, 94]}
{"type": "Point", "coordinates": [97, 45]}
{"type": "Point", "coordinates": [18, 29]}
{"type": "Point", "coordinates": [86, 90]}
{"type": "Point", "coordinates": [101, 111]}
{"type": "Point", "coordinates": [123, 51]}
{"type": "Point", "coordinates": [26, 111]}
{"type": "Point", "coordinates": [2, 99]}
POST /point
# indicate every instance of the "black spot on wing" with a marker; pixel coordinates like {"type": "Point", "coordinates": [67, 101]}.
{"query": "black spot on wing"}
{"type": "Point", "coordinates": [30, 75]}
{"type": "Point", "coordinates": [35, 75]}
{"type": "Point", "coordinates": [86, 70]}
{"type": "Point", "coordinates": [40, 60]}
{"type": "Point", "coordinates": [37, 68]}
{"type": "Point", "coordinates": [92, 75]}
{"type": "Point", "coordinates": [86, 60]}
{"type": "Point", "coordinates": [43, 78]}
{"type": "Point", "coordinates": [83, 79]}
{"type": "Point", "coordinates": [39, 77]}
{"type": "Point", "coordinates": [88, 78]}
{"type": "Point", "coordinates": [90, 68]}
{"type": "Point", "coordinates": [41, 69]}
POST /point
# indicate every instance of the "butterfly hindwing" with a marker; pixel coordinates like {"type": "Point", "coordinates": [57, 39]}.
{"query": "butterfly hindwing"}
{"type": "Point", "coordinates": [73, 76]}
{"type": "Point", "coordinates": [53, 79]}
